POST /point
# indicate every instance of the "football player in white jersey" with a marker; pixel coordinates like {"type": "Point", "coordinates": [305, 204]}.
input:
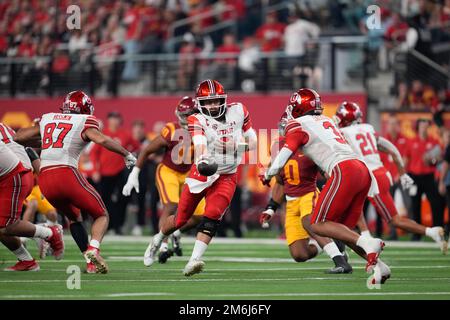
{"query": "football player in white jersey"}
{"type": "Point", "coordinates": [366, 142]}
{"type": "Point", "coordinates": [341, 201]}
{"type": "Point", "coordinates": [220, 133]}
{"type": "Point", "coordinates": [63, 136]}
{"type": "Point", "coordinates": [16, 182]}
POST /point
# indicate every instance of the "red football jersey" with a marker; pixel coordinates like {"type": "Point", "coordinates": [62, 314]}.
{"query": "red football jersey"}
{"type": "Point", "coordinates": [179, 154]}
{"type": "Point", "coordinates": [299, 175]}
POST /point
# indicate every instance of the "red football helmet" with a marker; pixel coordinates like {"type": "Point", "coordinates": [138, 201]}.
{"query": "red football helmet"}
{"type": "Point", "coordinates": [282, 124]}
{"type": "Point", "coordinates": [77, 102]}
{"type": "Point", "coordinates": [303, 101]}
{"type": "Point", "coordinates": [209, 90]}
{"type": "Point", "coordinates": [185, 108]}
{"type": "Point", "coordinates": [348, 113]}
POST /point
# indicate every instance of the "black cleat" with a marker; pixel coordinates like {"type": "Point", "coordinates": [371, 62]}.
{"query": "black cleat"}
{"type": "Point", "coordinates": [164, 256]}
{"type": "Point", "coordinates": [339, 270]}
{"type": "Point", "coordinates": [178, 251]}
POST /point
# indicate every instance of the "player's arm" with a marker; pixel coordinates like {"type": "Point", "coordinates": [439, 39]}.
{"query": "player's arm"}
{"type": "Point", "coordinates": [29, 137]}
{"type": "Point", "coordinates": [250, 137]}
{"type": "Point", "coordinates": [107, 142]}
{"type": "Point", "coordinates": [274, 203]}
{"type": "Point", "coordinates": [444, 172]}
{"type": "Point", "coordinates": [34, 158]}
{"type": "Point", "coordinates": [295, 138]}
{"type": "Point", "coordinates": [133, 178]}
{"type": "Point", "coordinates": [385, 145]}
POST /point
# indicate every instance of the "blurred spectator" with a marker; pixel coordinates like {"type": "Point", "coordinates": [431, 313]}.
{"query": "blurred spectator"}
{"type": "Point", "coordinates": [421, 155]}
{"type": "Point", "coordinates": [444, 181]}
{"type": "Point", "coordinates": [138, 133]}
{"type": "Point", "coordinates": [112, 170]}
{"type": "Point", "coordinates": [396, 31]}
{"type": "Point", "coordinates": [202, 7]}
{"type": "Point", "coordinates": [421, 97]}
{"type": "Point", "coordinates": [270, 34]}
{"type": "Point", "coordinates": [402, 96]}
{"type": "Point", "coordinates": [78, 41]}
{"type": "Point", "coordinates": [248, 61]}
{"type": "Point", "coordinates": [187, 63]}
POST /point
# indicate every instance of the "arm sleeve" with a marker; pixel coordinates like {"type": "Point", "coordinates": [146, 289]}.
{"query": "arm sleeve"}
{"type": "Point", "coordinates": [247, 121]}
{"type": "Point", "coordinates": [386, 144]}
{"type": "Point", "coordinates": [196, 131]}
{"type": "Point", "coordinates": [279, 162]}
{"type": "Point", "coordinates": [295, 136]}
{"type": "Point", "coordinates": [91, 122]}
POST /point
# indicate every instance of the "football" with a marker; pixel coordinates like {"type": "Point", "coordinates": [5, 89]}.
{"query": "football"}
{"type": "Point", "coordinates": [207, 167]}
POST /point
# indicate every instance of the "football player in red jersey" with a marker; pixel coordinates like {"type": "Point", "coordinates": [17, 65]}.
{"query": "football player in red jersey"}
{"type": "Point", "coordinates": [297, 182]}
{"type": "Point", "coordinates": [217, 132]}
{"type": "Point", "coordinates": [170, 174]}
{"type": "Point", "coordinates": [62, 137]}
{"type": "Point", "coordinates": [341, 201]}
{"type": "Point", "coordinates": [367, 143]}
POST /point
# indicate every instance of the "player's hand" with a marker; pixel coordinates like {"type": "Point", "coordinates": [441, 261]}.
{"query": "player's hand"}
{"type": "Point", "coordinates": [130, 160]}
{"type": "Point", "coordinates": [132, 182]}
{"type": "Point", "coordinates": [406, 181]}
{"type": "Point", "coordinates": [265, 217]}
{"type": "Point", "coordinates": [206, 165]}
{"type": "Point", "coordinates": [265, 180]}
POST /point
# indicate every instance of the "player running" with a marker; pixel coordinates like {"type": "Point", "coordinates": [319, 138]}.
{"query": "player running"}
{"type": "Point", "coordinates": [16, 182]}
{"type": "Point", "coordinates": [297, 181]}
{"type": "Point", "coordinates": [62, 137]}
{"type": "Point", "coordinates": [366, 142]}
{"type": "Point", "coordinates": [217, 133]}
{"type": "Point", "coordinates": [170, 174]}
{"type": "Point", "coordinates": [341, 201]}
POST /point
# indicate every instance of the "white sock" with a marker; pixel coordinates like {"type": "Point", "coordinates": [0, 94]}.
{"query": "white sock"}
{"type": "Point", "coordinates": [158, 238]}
{"type": "Point", "coordinates": [199, 249]}
{"type": "Point", "coordinates": [365, 243]}
{"type": "Point", "coordinates": [24, 239]}
{"type": "Point", "coordinates": [177, 233]}
{"type": "Point", "coordinates": [332, 250]}
{"type": "Point", "coordinates": [50, 223]}
{"type": "Point", "coordinates": [164, 246]}
{"type": "Point", "coordinates": [315, 244]}
{"type": "Point", "coordinates": [94, 243]}
{"type": "Point", "coordinates": [22, 254]}
{"type": "Point", "coordinates": [429, 232]}
{"type": "Point", "coordinates": [366, 234]}
{"type": "Point", "coordinates": [42, 232]}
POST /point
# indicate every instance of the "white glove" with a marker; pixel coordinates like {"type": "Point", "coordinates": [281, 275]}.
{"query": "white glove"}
{"type": "Point", "coordinates": [406, 181]}
{"type": "Point", "coordinates": [130, 160]}
{"type": "Point", "coordinates": [132, 182]}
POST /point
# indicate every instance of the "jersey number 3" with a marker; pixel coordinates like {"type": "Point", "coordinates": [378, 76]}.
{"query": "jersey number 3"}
{"type": "Point", "coordinates": [339, 138]}
{"type": "Point", "coordinates": [47, 139]}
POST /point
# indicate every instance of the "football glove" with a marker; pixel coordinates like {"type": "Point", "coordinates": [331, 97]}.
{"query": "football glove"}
{"type": "Point", "coordinates": [130, 160]}
{"type": "Point", "coordinates": [406, 181]}
{"type": "Point", "coordinates": [132, 182]}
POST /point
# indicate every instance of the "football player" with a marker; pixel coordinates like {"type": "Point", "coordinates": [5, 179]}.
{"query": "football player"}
{"type": "Point", "coordinates": [297, 181]}
{"type": "Point", "coordinates": [170, 173]}
{"type": "Point", "coordinates": [221, 133]}
{"type": "Point", "coordinates": [16, 182]}
{"type": "Point", "coordinates": [62, 137]}
{"type": "Point", "coordinates": [341, 201]}
{"type": "Point", "coordinates": [367, 143]}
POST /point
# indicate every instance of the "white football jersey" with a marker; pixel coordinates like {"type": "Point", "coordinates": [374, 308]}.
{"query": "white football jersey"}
{"type": "Point", "coordinates": [7, 136]}
{"type": "Point", "coordinates": [231, 131]}
{"type": "Point", "coordinates": [61, 138]}
{"type": "Point", "coordinates": [8, 160]}
{"type": "Point", "coordinates": [326, 146]}
{"type": "Point", "coordinates": [362, 138]}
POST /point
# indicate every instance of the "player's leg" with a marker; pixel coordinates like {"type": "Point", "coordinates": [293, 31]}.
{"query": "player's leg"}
{"type": "Point", "coordinates": [218, 199]}
{"type": "Point", "coordinates": [362, 226]}
{"type": "Point", "coordinates": [25, 260]}
{"type": "Point", "coordinates": [340, 205]}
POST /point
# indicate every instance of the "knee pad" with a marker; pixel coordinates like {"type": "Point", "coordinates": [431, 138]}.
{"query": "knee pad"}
{"type": "Point", "coordinates": [208, 226]}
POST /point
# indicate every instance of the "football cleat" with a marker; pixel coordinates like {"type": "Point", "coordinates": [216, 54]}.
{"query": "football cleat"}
{"type": "Point", "coordinates": [90, 268]}
{"type": "Point", "coordinates": [150, 253]}
{"type": "Point", "coordinates": [193, 267]}
{"type": "Point", "coordinates": [176, 244]}
{"type": "Point", "coordinates": [437, 234]}
{"type": "Point", "coordinates": [372, 256]}
{"type": "Point", "coordinates": [381, 273]}
{"type": "Point", "coordinates": [24, 266]}
{"type": "Point", "coordinates": [93, 254]}
{"type": "Point", "coordinates": [56, 242]}
{"type": "Point", "coordinates": [339, 270]}
{"type": "Point", "coordinates": [164, 255]}
{"type": "Point", "coordinates": [43, 246]}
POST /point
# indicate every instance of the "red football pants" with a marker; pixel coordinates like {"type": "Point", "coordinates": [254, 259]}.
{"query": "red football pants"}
{"type": "Point", "coordinates": [383, 202]}
{"type": "Point", "coordinates": [342, 198]}
{"type": "Point", "coordinates": [69, 192]}
{"type": "Point", "coordinates": [217, 197]}
{"type": "Point", "coordinates": [14, 189]}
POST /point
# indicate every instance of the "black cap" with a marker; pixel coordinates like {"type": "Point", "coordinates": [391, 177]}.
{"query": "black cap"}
{"type": "Point", "coordinates": [114, 114]}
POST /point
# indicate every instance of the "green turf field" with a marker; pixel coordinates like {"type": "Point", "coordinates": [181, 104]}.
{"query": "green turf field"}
{"type": "Point", "coordinates": [249, 269]}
